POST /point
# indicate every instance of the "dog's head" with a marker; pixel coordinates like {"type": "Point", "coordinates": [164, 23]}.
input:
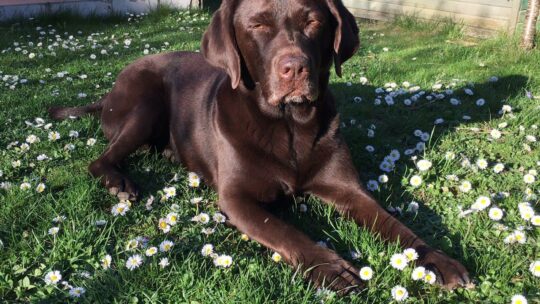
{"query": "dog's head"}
{"type": "Point", "coordinates": [284, 46]}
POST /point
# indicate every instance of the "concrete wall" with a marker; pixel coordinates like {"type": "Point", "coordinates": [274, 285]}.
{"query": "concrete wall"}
{"type": "Point", "coordinates": [481, 16]}
{"type": "Point", "coordinates": [28, 8]}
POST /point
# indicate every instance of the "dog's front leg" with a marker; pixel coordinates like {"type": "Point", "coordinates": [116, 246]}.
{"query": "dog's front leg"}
{"type": "Point", "coordinates": [337, 184]}
{"type": "Point", "coordinates": [321, 265]}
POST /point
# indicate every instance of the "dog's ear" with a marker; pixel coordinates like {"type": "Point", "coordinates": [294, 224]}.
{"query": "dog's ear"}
{"type": "Point", "coordinates": [346, 40]}
{"type": "Point", "coordinates": [219, 46]}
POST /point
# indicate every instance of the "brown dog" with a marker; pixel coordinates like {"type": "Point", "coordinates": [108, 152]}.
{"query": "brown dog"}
{"type": "Point", "coordinates": [253, 116]}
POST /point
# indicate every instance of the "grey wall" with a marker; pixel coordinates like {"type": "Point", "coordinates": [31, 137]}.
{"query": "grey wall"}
{"type": "Point", "coordinates": [29, 8]}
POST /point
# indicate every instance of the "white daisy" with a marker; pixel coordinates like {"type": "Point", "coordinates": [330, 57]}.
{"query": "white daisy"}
{"type": "Point", "coordinates": [495, 134]}
{"type": "Point", "coordinates": [423, 165]}
{"type": "Point", "coordinates": [207, 250]}
{"type": "Point", "coordinates": [399, 261]}
{"type": "Point", "coordinates": [106, 262]}
{"type": "Point", "coordinates": [276, 257]}
{"type": "Point", "coordinates": [495, 213]}
{"type": "Point", "coordinates": [172, 218]}
{"type": "Point", "coordinates": [415, 181]}
{"type": "Point", "coordinates": [40, 187]}
{"type": "Point", "coordinates": [164, 262]}
{"type": "Point", "coordinates": [120, 209]}
{"type": "Point", "coordinates": [134, 262]}
{"type": "Point", "coordinates": [465, 186]}
{"type": "Point", "coordinates": [219, 217]}
{"type": "Point", "coordinates": [535, 268]}
{"type": "Point", "coordinates": [151, 251]}
{"type": "Point", "coordinates": [54, 136]}
{"type": "Point", "coordinates": [518, 299]}
{"type": "Point", "coordinates": [481, 203]}
{"type": "Point", "coordinates": [399, 293]}
{"type": "Point", "coordinates": [418, 273]}
{"type": "Point", "coordinates": [498, 168]}
{"type": "Point", "coordinates": [366, 273]}
{"type": "Point", "coordinates": [481, 163]}
{"type": "Point", "coordinates": [54, 230]}
{"type": "Point", "coordinates": [529, 178]}
{"type": "Point", "coordinates": [53, 277]}
{"type": "Point", "coordinates": [224, 261]}
{"type": "Point", "coordinates": [194, 180]}
{"type": "Point", "coordinates": [166, 246]}
{"type": "Point", "coordinates": [76, 292]}
{"type": "Point", "coordinates": [430, 277]}
{"type": "Point", "coordinates": [411, 254]}
{"type": "Point", "coordinates": [535, 220]}
{"type": "Point", "coordinates": [169, 192]}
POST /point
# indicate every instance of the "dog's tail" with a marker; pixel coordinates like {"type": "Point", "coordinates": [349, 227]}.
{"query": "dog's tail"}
{"type": "Point", "coordinates": [60, 113]}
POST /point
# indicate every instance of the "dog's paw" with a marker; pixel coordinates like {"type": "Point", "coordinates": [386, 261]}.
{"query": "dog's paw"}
{"type": "Point", "coordinates": [331, 271]}
{"type": "Point", "coordinates": [123, 188]}
{"type": "Point", "coordinates": [450, 273]}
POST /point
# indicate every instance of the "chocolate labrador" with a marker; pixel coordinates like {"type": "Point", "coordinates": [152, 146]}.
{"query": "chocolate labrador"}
{"type": "Point", "coordinates": [253, 116]}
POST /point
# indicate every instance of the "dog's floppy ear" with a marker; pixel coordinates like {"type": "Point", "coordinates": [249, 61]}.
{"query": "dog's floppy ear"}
{"type": "Point", "coordinates": [346, 40]}
{"type": "Point", "coordinates": [219, 46]}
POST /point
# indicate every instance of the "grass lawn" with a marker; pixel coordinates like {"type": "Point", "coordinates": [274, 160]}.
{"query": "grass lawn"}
{"type": "Point", "coordinates": [477, 119]}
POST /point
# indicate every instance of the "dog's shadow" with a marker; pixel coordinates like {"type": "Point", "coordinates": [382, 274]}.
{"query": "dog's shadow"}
{"type": "Point", "coordinates": [394, 126]}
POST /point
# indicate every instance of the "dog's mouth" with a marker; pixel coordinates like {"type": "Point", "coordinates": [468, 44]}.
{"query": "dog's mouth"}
{"type": "Point", "coordinates": [295, 97]}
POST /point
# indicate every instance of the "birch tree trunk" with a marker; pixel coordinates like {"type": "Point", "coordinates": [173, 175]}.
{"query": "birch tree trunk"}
{"type": "Point", "coordinates": [531, 18]}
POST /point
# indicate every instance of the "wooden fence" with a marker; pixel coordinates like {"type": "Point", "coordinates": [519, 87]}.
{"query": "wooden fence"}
{"type": "Point", "coordinates": [480, 17]}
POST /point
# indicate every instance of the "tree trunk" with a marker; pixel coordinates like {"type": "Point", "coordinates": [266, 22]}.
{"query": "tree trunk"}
{"type": "Point", "coordinates": [529, 31]}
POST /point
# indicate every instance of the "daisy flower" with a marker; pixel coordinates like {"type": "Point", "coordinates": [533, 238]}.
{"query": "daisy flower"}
{"type": "Point", "coordinates": [106, 262]}
{"type": "Point", "coordinates": [164, 262]}
{"type": "Point", "coordinates": [166, 246]}
{"type": "Point", "coordinates": [76, 292]}
{"type": "Point", "coordinates": [202, 218]}
{"type": "Point", "coordinates": [194, 180]}
{"type": "Point", "coordinates": [169, 192]}
{"type": "Point", "coordinates": [120, 209]}
{"type": "Point", "coordinates": [366, 273]}
{"type": "Point", "coordinates": [535, 220]}
{"type": "Point", "coordinates": [172, 218]}
{"type": "Point", "coordinates": [525, 211]}
{"type": "Point", "coordinates": [418, 273]}
{"type": "Point", "coordinates": [32, 139]}
{"type": "Point", "coordinates": [415, 181]}
{"type": "Point", "coordinates": [134, 262]}
{"type": "Point", "coordinates": [90, 142]}
{"type": "Point", "coordinates": [423, 165]}
{"type": "Point", "coordinates": [40, 187]}
{"type": "Point", "coordinates": [498, 168]}
{"type": "Point", "coordinates": [54, 231]}
{"type": "Point", "coordinates": [244, 237]}
{"type": "Point", "coordinates": [430, 277]}
{"type": "Point", "coordinates": [399, 261]}
{"type": "Point", "coordinates": [25, 186]}
{"type": "Point", "coordinates": [481, 163]}
{"type": "Point", "coordinates": [481, 203]}
{"type": "Point", "coordinates": [207, 250]}
{"type": "Point", "coordinates": [276, 257]}
{"type": "Point", "coordinates": [495, 134]}
{"type": "Point", "coordinates": [151, 251]}
{"type": "Point", "coordinates": [383, 178]}
{"type": "Point", "coordinates": [163, 225]}
{"type": "Point", "coordinates": [465, 186]}
{"type": "Point", "coordinates": [224, 261]}
{"type": "Point", "coordinates": [399, 293]}
{"type": "Point", "coordinates": [53, 277]}
{"type": "Point", "coordinates": [529, 178]}
{"type": "Point", "coordinates": [495, 213]}
{"type": "Point", "coordinates": [219, 217]}
{"type": "Point", "coordinates": [411, 254]}
{"type": "Point", "coordinates": [54, 136]}
{"type": "Point", "coordinates": [535, 268]}
{"type": "Point", "coordinates": [520, 236]}
{"type": "Point", "coordinates": [196, 200]}
{"type": "Point", "coordinates": [518, 299]}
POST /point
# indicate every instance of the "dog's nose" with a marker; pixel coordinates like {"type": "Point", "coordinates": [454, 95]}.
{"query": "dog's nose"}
{"type": "Point", "coordinates": [293, 67]}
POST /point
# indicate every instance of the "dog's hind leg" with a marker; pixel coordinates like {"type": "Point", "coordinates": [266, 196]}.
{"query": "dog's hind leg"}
{"type": "Point", "coordinates": [136, 131]}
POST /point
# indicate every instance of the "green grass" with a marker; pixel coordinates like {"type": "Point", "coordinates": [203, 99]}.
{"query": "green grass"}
{"type": "Point", "coordinates": [422, 54]}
